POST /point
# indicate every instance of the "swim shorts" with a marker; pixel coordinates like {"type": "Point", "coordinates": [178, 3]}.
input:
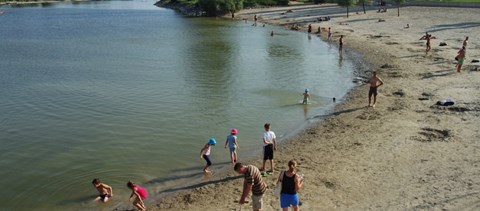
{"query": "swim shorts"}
{"type": "Point", "coordinates": [268, 152]}
{"type": "Point", "coordinates": [103, 196]}
{"type": "Point", "coordinates": [372, 91]}
{"type": "Point", "coordinates": [461, 59]}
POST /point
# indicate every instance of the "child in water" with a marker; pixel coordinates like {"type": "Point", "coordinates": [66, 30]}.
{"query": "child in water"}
{"type": "Point", "coordinates": [232, 145]}
{"type": "Point", "coordinates": [205, 153]}
{"type": "Point", "coordinates": [104, 191]}
{"type": "Point", "coordinates": [306, 97]}
{"type": "Point", "coordinates": [139, 193]}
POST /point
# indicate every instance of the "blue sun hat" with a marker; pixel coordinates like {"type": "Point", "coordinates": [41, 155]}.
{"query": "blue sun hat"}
{"type": "Point", "coordinates": [212, 141]}
{"type": "Point", "coordinates": [306, 90]}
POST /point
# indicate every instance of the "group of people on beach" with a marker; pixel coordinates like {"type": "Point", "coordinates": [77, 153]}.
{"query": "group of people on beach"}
{"type": "Point", "coordinates": [460, 57]}
{"type": "Point", "coordinates": [105, 192]}
{"type": "Point", "coordinates": [289, 180]}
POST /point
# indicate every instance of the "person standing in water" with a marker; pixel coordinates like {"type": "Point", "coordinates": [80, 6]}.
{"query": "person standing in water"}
{"type": "Point", "coordinates": [205, 154]}
{"type": "Point", "coordinates": [340, 43]}
{"type": "Point", "coordinates": [306, 97]}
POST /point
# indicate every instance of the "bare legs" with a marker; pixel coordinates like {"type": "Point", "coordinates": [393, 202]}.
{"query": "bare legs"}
{"type": "Point", "coordinates": [370, 100]}
{"type": "Point", "coordinates": [271, 165]}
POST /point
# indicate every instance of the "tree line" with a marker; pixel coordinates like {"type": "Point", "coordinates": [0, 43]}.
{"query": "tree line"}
{"type": "Point", "coordinates": [224, 7]}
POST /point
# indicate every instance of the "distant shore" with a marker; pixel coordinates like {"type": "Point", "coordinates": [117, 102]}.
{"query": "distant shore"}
{"type": "Point", "coordinates": [14, 3]}
{"type": "Point", "coordinates": [404, 154]}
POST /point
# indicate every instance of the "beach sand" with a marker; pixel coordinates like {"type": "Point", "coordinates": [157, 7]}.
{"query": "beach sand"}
{"type": "Point", "coordinates": [404, 154]}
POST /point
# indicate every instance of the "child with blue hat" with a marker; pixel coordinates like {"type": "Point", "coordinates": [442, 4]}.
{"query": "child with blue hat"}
{"type": "Point", "coordinates": [205, 153]}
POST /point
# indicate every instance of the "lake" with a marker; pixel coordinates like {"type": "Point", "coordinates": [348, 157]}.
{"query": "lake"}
{"type": "Point", "coordinates": [121, 90]}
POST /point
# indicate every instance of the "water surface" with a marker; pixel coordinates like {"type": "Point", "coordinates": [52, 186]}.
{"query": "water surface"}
{"type": "Point", "coordinates": [124, 90]}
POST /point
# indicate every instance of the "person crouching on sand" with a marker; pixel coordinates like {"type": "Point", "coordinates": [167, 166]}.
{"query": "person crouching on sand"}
{"type": "Point", "coordinates": [374, 82]}
{"type": "Point", "coordinates": [205, 153]}
{"type": "Point", "coordinates": [139, 193]}
{"type": "Point", "coordinates": [252, 182]}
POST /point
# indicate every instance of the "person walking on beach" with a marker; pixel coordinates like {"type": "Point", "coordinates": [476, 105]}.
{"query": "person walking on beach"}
{"type": "Point", "coordinates": [252, 182]}
{"type": "Point", "coordinates": [460, 58]}
{"type": "Point", "coordinates": [139, 193]}
{"type": "Point", "coordinates": [104, 191]}
{"type": "Point", "coordinates": [269, 139]}
{"type": "Point", "coordinates": [205, 154]}
{"type": "Point", "coordinates": [309, 28]}
{"type": "Point", "coordinates": [291, 183]}
{"type": "Point", "coordinates": [232, 145]}
{"type": "Point", "coordinates": [374, 82]}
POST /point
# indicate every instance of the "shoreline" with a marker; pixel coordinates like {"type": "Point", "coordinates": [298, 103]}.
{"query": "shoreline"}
{"type": "Point", "coordinates": [406, 153]}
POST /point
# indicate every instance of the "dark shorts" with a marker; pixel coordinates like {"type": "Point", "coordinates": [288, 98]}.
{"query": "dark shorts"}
{"type": "Point", "coordinates": [103, 196]}
{"type": "Point", "coordinates": [372, 91]}
{"type": "Point", "coordinates": [268, 152]}
{"type": "Point", "coordinates": [207, 158]}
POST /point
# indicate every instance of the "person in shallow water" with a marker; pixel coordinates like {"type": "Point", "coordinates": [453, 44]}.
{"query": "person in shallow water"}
{"type": "Point", "coordinates": [306, 97]}
{"type": "Point", "coordinates": [205, 154]}
{"type": "Point", "coordinates": [139, 193]}
{"type": "Point", "coordinates": [104, 191]}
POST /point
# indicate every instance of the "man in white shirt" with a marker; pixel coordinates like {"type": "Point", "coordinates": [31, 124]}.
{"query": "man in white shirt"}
{"type": "Point", "coordinates": [269, 139]}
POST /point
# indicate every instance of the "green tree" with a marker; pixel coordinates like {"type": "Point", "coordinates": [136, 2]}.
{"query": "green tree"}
{"type": "Point", "coordinates": [363, 2]}
{"type": "Point", "coordinates": [346, 3]}
{"type": "Point", "coordinates": [398, 5]}
{"type": "Point", "coordinates": [209, 6]}
{"type": "Point", "coordinates": [230, 6]}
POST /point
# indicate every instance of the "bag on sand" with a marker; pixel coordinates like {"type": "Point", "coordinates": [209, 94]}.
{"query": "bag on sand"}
{"type": "Point", "coordinates": [278, 187]}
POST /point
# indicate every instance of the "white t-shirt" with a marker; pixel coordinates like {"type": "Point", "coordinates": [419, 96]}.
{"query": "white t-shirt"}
{"type": "Point", "coordinates": [269, 136]}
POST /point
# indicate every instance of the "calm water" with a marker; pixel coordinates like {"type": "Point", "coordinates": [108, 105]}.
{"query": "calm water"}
{"type": "Point", "coordinates": [125, 90]}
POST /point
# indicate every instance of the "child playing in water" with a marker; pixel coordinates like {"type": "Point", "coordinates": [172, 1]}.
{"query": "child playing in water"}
{"type": "Point", "coordinates": [139, 193]}
{"type": "Point", "coordinates": [105, 191]}
{"type": "Point", "coordinates": [232, 145]}
{"type": "Point", "coordinates": [205, 153]}
{"type": "Point", "coordinates": [306, 97]}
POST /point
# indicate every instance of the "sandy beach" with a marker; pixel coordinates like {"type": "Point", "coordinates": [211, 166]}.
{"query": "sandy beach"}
{"type": "Point", "coordinates": [404, 154]}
